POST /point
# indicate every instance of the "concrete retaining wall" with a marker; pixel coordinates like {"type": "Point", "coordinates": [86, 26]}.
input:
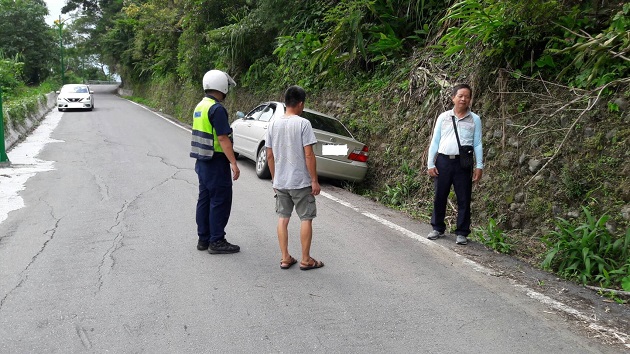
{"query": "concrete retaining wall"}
{"type": "Point", "coordinates": [17, 129]}
{"type": "Point", "coordinates": [125, 92]}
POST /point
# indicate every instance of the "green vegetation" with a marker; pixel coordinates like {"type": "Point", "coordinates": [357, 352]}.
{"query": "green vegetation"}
{"type": "Point", "coordinates": [588, 252]}
{"type": "Point", "coordinates": [493, 237]}
{"type": "Point", "coordinates": [25, 37]}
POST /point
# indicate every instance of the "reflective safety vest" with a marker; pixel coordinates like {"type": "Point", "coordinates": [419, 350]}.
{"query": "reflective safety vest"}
{"type": "Point", "coordinates": [204, 139]}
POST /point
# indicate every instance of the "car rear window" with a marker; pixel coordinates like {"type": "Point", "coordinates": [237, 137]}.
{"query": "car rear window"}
{"type": "Point", "coordinates": [326, 124]}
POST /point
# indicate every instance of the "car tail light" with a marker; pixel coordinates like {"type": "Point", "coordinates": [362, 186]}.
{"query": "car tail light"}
{"type": "Point", "coordinates": [359, 155]}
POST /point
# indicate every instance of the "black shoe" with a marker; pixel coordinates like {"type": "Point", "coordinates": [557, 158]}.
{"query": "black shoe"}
{"type": "Point", "coordinates": [222, 247]}
{"type": "Point", "coordinates": [202, 245]}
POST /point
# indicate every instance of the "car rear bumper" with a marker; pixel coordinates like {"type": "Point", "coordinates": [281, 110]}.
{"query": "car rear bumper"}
{"type": "Point", "coordinates": [352, 171]}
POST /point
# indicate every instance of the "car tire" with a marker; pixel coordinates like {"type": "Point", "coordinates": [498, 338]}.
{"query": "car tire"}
{"type": "Point", "coordinates": [262, 168]}
{"type": "Point", "coordinates": [60, 109]}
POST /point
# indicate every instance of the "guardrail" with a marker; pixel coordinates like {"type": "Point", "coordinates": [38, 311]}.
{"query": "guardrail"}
{"type": "Point", "coordinates": [99, 82]}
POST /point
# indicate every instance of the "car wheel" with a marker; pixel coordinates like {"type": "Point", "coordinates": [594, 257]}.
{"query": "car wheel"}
{"type": "Point", "coordinates": [60, 109]}
{"type": "Point", "coordinates": [262, 169]}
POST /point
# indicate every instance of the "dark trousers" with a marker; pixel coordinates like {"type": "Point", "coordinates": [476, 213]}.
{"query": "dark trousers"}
{"type": "Point", "coordinates": [451, 174]}
{"type": "Point", "coordinates": [213, 206]}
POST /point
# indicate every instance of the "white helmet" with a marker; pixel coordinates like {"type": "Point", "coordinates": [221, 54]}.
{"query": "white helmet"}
{"type": "Point", "coordinates": [218, 80]}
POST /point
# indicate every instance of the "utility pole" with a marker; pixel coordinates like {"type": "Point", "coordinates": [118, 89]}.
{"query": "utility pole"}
{"type": "Point", "coordinates": [59, 24]}
{"type": "Point", "coordinates": [4, 159]}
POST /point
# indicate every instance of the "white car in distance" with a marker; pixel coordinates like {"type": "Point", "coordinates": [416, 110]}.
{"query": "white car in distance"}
{"type": "Point", "coordinates": [75, 96]}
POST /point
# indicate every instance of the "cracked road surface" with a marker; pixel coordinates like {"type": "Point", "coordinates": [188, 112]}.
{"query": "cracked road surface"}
{"type": "Point", "coordinates": [101, 258]}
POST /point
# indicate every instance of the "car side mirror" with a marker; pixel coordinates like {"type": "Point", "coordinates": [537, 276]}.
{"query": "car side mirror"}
{"type": "Point", "coordinates": [240, 115]}
{"type": "Point", "coordinates": [92, 92]}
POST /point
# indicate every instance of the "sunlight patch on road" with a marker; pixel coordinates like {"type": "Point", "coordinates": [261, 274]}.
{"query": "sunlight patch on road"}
{"type": "Point", "coordinates": [25, 164]}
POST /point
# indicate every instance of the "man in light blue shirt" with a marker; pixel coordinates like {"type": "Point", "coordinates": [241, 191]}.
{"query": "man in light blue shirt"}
{"type": "Point", "coordinates": [444, 163]}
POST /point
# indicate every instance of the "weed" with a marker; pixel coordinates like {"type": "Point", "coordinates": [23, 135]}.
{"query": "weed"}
{"type": "Point", "coordinates": [493, 237]}
{"type": "Point", "coordinates": [613, 107]}
{"type": "Point", "coordinates": [399, 193]}
{"type": "Point", "coordinates": [588, 252]}
{"type": "Point", "coordinates": [611, 294]}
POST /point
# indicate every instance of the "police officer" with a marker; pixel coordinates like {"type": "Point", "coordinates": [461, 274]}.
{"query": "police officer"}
{"type": "Point", "coordinates": [216, 164]}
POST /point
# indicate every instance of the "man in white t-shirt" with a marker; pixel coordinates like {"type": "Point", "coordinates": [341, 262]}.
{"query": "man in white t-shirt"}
{"type": "Point", "coordinates": [291, 161]}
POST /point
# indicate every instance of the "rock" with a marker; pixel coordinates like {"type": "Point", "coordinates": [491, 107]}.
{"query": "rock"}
{"type": "Point", "coordinates": [507, 159]}
{"type": "Point", "coordinates": [611, 227]}
{"type": "Point", "coordinates": [492, 152]}
{"type": "Point", "coordinates": [519, 197]}
{"type": "Point", "coordinates": [497, 134]}
{"type": "Point", "coordinates": [513, 142]}
{"type": "Point", "coordinates": [534, 165]}
{"type": "Point", "coordinates": [589, 132]}
{"type": "Point", "coordinates": [573, 215]}
{"type": "Point", "coordinates": [622, 103]}
{"type": "Point", "coordinates": [515, 223]}
{"type": "Point", "coordinates": [521, 160]}
{"type": "Point", "coordinates": [556, 210]}
{"type": "Point", "coordinates": [625, 212]}
{"type": "Point", "coordinates": [611, 134]}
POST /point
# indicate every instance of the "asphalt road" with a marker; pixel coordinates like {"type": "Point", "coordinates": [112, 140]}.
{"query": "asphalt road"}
{"type": "Point", "coordinates": [101, 258]}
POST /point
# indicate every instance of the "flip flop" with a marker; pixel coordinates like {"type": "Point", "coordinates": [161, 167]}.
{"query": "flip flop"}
{"type": "Point", "coordinates": [286, 264]}
{"type": "Point", "coordinates": [312, 264]}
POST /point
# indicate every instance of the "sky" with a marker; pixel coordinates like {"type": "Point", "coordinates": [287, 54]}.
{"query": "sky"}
{"type": "Point", "coordinates": [54, 10]}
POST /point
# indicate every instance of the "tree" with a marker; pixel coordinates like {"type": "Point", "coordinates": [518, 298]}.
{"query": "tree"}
{"type": "Point", "coordinates": [25, 34]}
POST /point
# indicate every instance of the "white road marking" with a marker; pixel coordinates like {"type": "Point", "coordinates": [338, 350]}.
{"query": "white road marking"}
{"type": "Point", "coordinates": [161, 116]}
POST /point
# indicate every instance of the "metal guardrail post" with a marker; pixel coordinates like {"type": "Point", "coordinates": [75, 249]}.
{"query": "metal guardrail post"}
{"type": "Point", "coordinates": [4, 159]}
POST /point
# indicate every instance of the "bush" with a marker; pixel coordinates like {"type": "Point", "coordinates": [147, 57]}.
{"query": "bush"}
{"type": "Point", "coordinates": [588, 252]}
{"type": "Point", "coordinates": [10, 74]}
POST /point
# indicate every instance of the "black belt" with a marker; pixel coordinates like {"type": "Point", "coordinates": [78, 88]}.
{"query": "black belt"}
{"type": "Point", "coordinates": [452, 157]}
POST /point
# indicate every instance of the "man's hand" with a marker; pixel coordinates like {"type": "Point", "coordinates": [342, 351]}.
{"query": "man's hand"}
{"type": "Point", "coordinates": [433, 172]}
{"type": "Point", "coordinates": [316, 188]}
{"type": "Point", "coordinates": [477, 174]}
{"type": "Point", "coordinates": [236, 173]}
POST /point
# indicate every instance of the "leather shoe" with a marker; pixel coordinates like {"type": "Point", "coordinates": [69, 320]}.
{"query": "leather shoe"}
{"type": "Point", "coordinates": [222, 247]}
{"type": "Point", "coordinates": [202, 245]}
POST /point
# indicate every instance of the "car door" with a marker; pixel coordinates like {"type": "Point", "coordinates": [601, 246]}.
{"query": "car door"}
{"type": "Point", "coordinates": [244, 140]}
{"type": "Point", "coordinates": [258, 128]}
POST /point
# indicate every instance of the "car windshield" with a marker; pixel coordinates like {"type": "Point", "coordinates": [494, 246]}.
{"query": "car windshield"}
{"type": "Point", "coordinates": [74, 89]}
{"type": "Point", "coordinates": [326, 124]}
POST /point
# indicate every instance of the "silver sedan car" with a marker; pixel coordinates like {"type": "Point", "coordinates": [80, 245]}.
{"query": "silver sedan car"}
{"type": "Point", "coordinates": [75, 96]}
{"type": "Point", "coordinates": [339, 155]}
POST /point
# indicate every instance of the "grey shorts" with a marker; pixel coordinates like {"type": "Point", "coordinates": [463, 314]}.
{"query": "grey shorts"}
{"type": "Point", "coordinates": [302, 199]}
